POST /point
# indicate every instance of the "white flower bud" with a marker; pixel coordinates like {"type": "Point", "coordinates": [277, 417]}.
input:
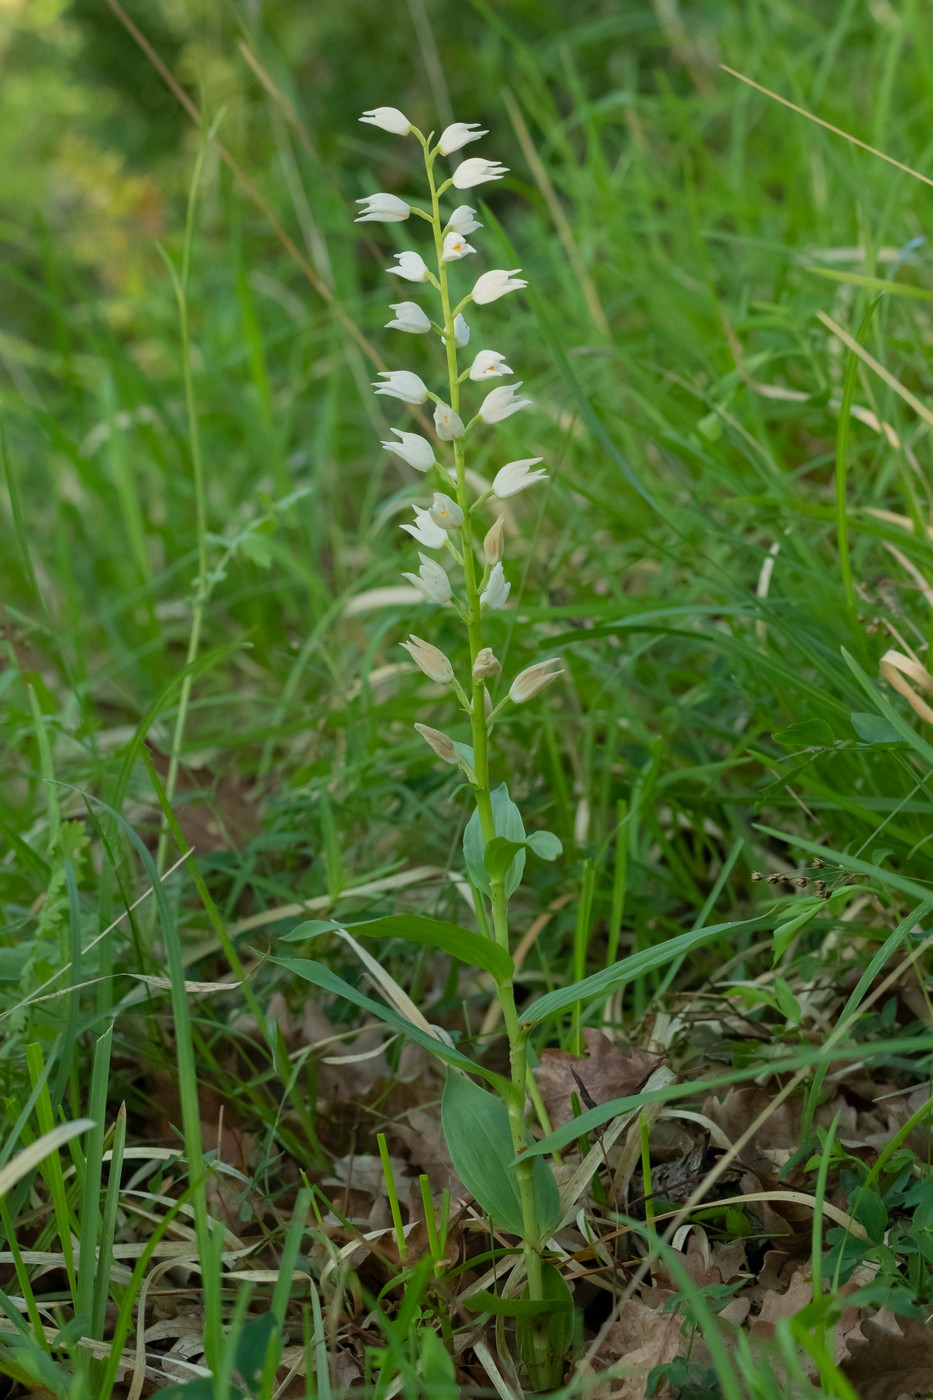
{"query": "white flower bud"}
{"type": "Point", "coordinates": [388, 119]}
{"type": "Point", "coordinates": [494, 541]}
{"type": "Point", "coordinates": [425, 530]}
{"type": "Point", "coordinates": [412, 267]}
{"type": "Point", "coordinates": [382, 209]}
{"type": "Point", "coordinates": [496, 592]}
{"type": "Point", "coordinates": [442, 746]}
{"type": "Point", "coordinates": [413, 449]}
{"type": "Point", "coordinates": [502, 403]}
{"type": "Point", "coordinates": [516, 476]}
{"type": "Point", "coordinates": [429, 659]}
{"type": "Point", "coordinates": [462, 220]}
{"type": "Point", "coordinates": [445, 512]}
{"type": "Point", "coordinates": [477, 172]}
{"type": "Point", "coordinates": [456, 247]}
{"type": "Point", "coordinates": [486, 667]}
{"type": "Point", "coordinates": [495, 284]}
{"type": "Point", "coordinates": [449, 425]}
{"type": "Point", "coordinates": [461, 332]}
{"type": "Point", "coordinates": [530, 682]}
{"type": "Point", "coordinates": [408, 317]}
{"type": "Point", "coordinates": [431, 580]}
{"type": "Point", "coordinates": [402, 384]}
{"type": "Point", "coordinates": [457, 135]}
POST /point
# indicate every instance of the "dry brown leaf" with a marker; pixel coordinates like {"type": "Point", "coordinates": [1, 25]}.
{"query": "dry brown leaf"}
{"type": "Point", "coordinates": [607, 1072]}
{"type": "Point", "coordinates": [886, 1364]}
{"type": "Point", "coordinates": [640, 1339]}
{"type": "Point", "coordinates": [776, 1306]}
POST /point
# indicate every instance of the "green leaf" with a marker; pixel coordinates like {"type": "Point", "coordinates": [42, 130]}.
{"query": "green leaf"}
{"type": "Point", "coordinates": [600, 984]}
{"type": "Point", "coordinates": [470, 948]}
{"type": "Point", "coordinates": [252, 1346]}
{"type": "Point", "coordinates": [546, 1336]}
{"type": "Point", "coordinates": [311, 928]}
{"type": "Point", "coordinates": [476, 1129]}
{"type": "Point", "coordinates": [499, 855]}
{"type": "Point", "coordinates": [545, 845]}
{"type": "Point", "coordinates": [875, 729]}
{"type": "Point", "coordinates": [485, 1302]}
{"type": "Point", "coordinates": [320, 976]}
{"type": "Point", "coordinates": [786, 932]}
{"type": "Point", "coordinates": [507, 820]}
{"type": "Point", "coordinates": [811, 733]}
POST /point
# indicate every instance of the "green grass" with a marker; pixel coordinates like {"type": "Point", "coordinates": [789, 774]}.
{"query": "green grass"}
{"type": "Point", "coordinates": [197, 522]}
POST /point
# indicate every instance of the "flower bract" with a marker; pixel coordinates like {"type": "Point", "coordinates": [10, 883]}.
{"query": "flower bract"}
{"type": "Point", "coordinates": [495, 284]}
{"type": "Point", "coordinates": [413, 449]}
{"type": "Point", "coordinates": [458, 134]}
{"type": "Point", "coordinates": [477, 172]}
{"type": "Point", "coordinates": [402, 384]}
{"type": "Point", "coordinates": [383, 209]}
{"type": "Point", "coordinates": [516, 476]}
{"type": "Point", "coordinates": [388, 119]}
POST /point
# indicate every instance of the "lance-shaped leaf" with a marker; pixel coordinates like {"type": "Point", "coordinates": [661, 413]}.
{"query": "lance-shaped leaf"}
{"type": "Point", "coordinates": [478, 1137]}
{"type": "Point", "coordinates": [321, 976]}
{"type": "Point", "coordinates": [470, 948]}
{"type": "Point", "coordinates": [600, 984]}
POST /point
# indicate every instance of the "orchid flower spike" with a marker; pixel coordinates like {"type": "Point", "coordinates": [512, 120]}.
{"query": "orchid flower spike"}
{"type": "Point", "coordinates": [388, 119]}
{"type": "Point", "coordinates": [458, 134]}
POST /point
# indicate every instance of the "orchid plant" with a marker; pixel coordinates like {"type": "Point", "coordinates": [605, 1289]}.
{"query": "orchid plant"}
{"type": "Point", "coordinates": [486, 1133]}
{"type": "Point", "coordinates": [449, 529]}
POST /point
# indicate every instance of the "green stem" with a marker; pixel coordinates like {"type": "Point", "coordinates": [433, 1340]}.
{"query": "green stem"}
{"type": "Point", "coordinates": [518, 1056]}
{"type": "Point", "coordinates": [200, 507]}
